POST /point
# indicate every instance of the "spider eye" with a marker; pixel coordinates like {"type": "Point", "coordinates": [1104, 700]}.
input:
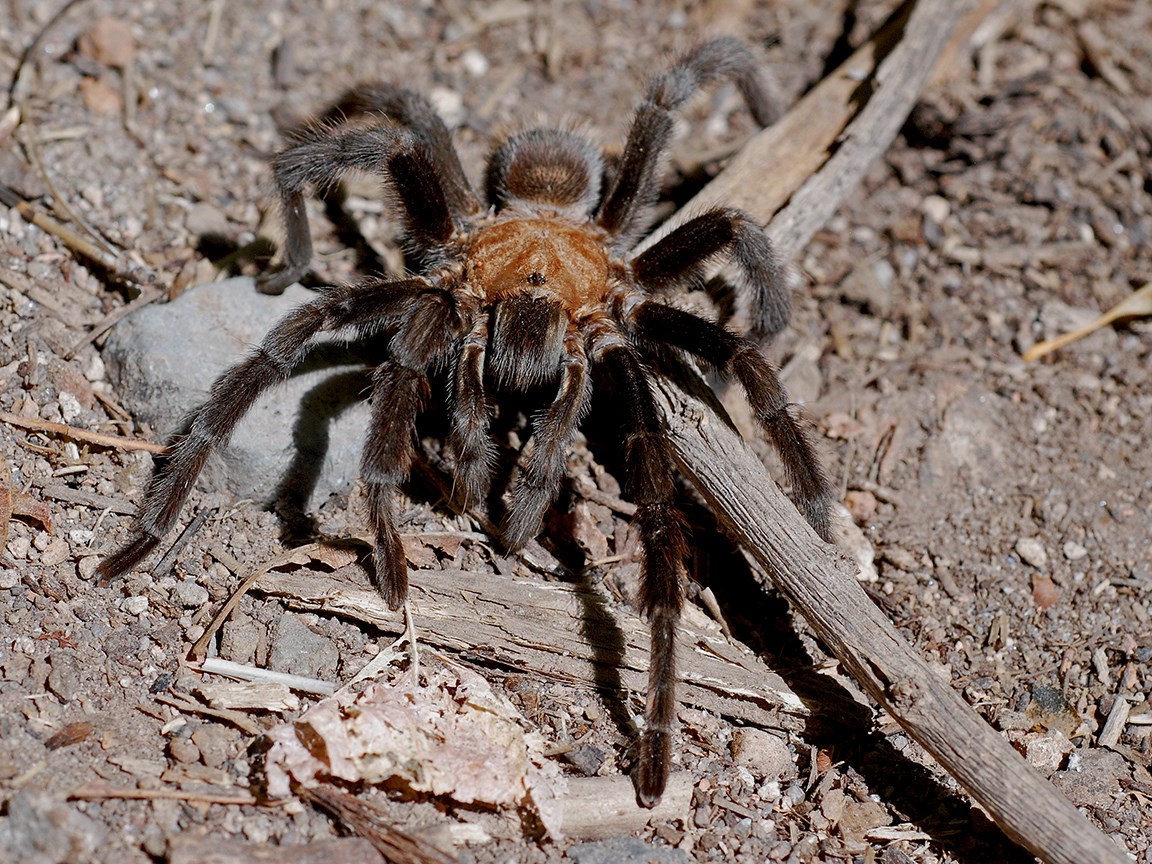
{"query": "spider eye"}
{"type": "Point", "coordinates": [536, 278]}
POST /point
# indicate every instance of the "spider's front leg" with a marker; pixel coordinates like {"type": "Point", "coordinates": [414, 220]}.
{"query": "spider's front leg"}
{"type": "Point", "coordinates": [367, 306]}
{"type": "Point", "coordinates": [651, 485]}
{"type": "Point", "coordinates": [542, 471]}
{"type": "Point", "coordinates": [680, 260]}
{"type": "Point", "coordinates": [637, 182]}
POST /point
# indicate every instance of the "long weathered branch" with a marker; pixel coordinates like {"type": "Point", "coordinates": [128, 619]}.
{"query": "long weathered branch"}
{"type": "Point", "coordinates": [819, 581]}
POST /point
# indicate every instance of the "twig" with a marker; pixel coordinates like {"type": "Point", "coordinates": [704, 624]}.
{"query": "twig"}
{"type": "Point", "coordinates": [102, 791]}
{"type": "Point", "coordinates": [89, 499]}
{"type": "Point", "coordinates": [190, 531]}
{"type": "Point", "coordinates": [237, 719]}
{"type": "Point", "coordinates": [107, 258]}
{"type": "Point", "coordinates": [14, 88]}
{"type": "Point", "coordinates": [199, 650]}
{"type": "Point", "coordinates": [366, 821]}
{"type": "Point", "coordinates": [99, 438]}
{"type": "Point", "coordinates": [241, 672]}
{"type": "Point", "coordinates": [147, 296]}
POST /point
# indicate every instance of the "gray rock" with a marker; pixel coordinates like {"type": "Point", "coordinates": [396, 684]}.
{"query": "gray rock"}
{"type": "Point", "coordinates": [240, 640]}
{"type": "Point", "coordinates": [304, 435]}
{"type": "Point", "coordinates": [299, 651]}
{"type": "Point", "coordinates": [41, 829]}
{"type": "Point", "coordinates": [624, 850]}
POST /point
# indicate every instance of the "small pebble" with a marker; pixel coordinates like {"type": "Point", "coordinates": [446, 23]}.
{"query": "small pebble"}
{"type": "Point", "coordinates": [56, 552]}
{"type": "Point", "coordinates": [184, 751]}
{"type": "Point", "coordinates": [765, 754]}
{"type": "Point", "coordinates": [1032, 552]}
{"type": "Point", "coordinates": [1073, 551]}
{"type": "Point", "coordinates": [475, 63]}
{"type": "Point", "coordinates": [191, 595]}
{"type": "Point", "coordinates": [135, 605]}
{"type": "Point", "coordinates": [109, 41]}
{"type": "Point", "coordinates": [18, 547]}
{"type": "Point", "coordinates": [935, 208]}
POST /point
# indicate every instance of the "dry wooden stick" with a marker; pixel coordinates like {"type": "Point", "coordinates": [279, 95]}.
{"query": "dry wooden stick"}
{"type": "Point", "coordinates": [99, 438]}
{"type": "Point", "coordinates": [98, 791]}
{"type": "Point", "coordinates": [819, 581]}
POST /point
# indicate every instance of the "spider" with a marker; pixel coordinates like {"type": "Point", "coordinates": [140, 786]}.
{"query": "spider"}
{"type": "Point", "coordinates": [534, 289]}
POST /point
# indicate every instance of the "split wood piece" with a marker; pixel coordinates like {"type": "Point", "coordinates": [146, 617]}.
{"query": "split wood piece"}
{"type": "Point", "coordinates": [365, 820]}
{"type": "Point", "coordinates": [596, 808]}
{"type": "Point", "coordinates": [557, 630]}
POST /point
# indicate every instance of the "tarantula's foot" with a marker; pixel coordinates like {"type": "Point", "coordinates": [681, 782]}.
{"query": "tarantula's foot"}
{"type": "Point", "coordinates": [126, 557]}
{"type": "Point", "coordinates": [275, 281]}
{"type": "Point", "coordinates": [651, 774]}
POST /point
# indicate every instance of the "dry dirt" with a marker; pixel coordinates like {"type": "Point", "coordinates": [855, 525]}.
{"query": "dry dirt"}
{"type": "Point", "coordinates": [1008, 502]}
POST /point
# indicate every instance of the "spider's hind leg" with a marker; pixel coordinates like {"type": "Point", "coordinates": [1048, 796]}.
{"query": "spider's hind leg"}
{"type": "Point", "coordinates": [654, 324]}
{"type": "Point", "coordinates": [651, 485]}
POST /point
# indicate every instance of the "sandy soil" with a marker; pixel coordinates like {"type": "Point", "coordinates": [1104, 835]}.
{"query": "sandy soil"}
{"type": "Point", "coordinates": [1009, 503]}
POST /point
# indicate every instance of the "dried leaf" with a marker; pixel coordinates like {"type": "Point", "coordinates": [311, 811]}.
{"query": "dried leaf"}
{"type": "Point", "coordinates": [13, 503]}
{"type": "Point", "coordinates": [453, 737]}
{"type": "Point", "coordinates": [1135, 305]}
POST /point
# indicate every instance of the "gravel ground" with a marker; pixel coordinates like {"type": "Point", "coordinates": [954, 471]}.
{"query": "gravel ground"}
{"type": "Point", "coordinates": [1008, 503]}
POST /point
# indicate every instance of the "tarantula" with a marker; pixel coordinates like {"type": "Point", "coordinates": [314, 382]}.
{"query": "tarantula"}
{"type": "Point", "coordinates": [534, 289]}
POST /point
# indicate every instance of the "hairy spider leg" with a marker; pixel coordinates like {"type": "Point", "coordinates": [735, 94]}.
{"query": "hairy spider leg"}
{"type": "Point", "coordinates": [542, 469]}
{"type": "Point", "coordinates": [400, 389]}
{"type": "Point", "coordinates": [398, 395]}
{"type": "Point", "coordinates": [637, 182]}
{"type": "Point", "coordinates": [369, 307]}
{"type": "Point", "coordinates": [409, 109]}
{"type": "Point", "coordinates": [321, 156]}
{"type": "Point", "coordinates": [651, 485]}
{"type": "Point", "coordinates": [472, 413]}
{"type": "Point", "coordinates": [679, 260]}
{"type": "Point", "coordinates": [654, 323]}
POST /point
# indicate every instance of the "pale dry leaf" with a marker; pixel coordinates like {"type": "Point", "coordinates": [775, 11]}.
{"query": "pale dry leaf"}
{"type": "Point", "coordinates": [1135, 305]}
{"type": "Point", "coordinates": [452, 737]}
